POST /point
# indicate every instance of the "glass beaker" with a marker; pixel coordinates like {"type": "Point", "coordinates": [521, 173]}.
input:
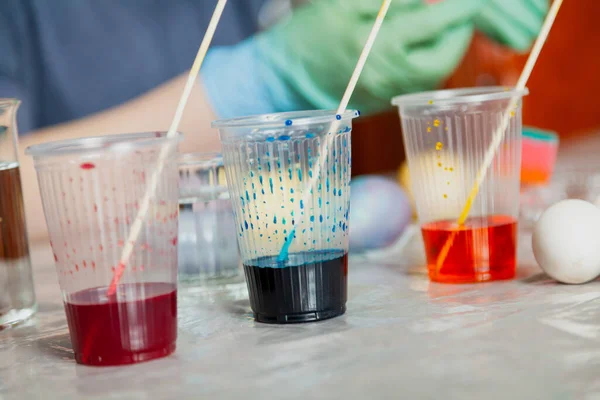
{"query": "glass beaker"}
{"type": "Point", "coordinates": [208, 249]}
{"type": "Point", "coordinates": [17, 296]}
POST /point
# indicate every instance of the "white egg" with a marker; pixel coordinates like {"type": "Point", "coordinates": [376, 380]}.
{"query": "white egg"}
{"type": "Point", "coordinates": [566, 241]}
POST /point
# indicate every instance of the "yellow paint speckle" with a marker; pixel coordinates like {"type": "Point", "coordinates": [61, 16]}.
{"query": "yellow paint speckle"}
{"type": "Point", "coordinates": [436, 122]}
{"type": "Point", "coordinates": [430, 101]}
{"type": "Point", "coordinates": [451, 169]}
{"type": "Point", "coordinates": [445, 196]}
{"type": "Point", "coordinates": [428, 129]}
{"type": "Point", "coordinates": [439, 145]}
{"type": "Point", "coordinates": [448, 182]}
{"type": "Point", "coordinates": [512, 114]}
{"type": "Point", "coordinates": [440, 164]}
{"type": "Point", "coordinates": [446, 169]}
{"type": "Point", "coordinates": [445, 128]}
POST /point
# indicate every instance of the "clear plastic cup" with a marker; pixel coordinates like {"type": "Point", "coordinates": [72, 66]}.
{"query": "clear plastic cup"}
{"type": "Point", "coordinates": [17, 296]}
{"type": "Point", "coordinates": [446, 135]}
{"type": "Point", "coordinates": [208, 249]}
{"type": "Point", "coordinates": [269, 161]}
{"type": "Point", "coordinates": [91, 190]}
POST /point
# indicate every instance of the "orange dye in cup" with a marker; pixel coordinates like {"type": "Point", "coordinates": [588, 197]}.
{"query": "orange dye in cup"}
{"type": "Point", "coordinates": [483, 249]}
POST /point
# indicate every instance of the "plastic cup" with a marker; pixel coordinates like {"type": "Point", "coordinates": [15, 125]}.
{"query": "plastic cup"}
{"type": "Point", "coordinates": [208, 249]}
{"type": "Point", "coordinates": [91, 189]}
{"type": "Point", "coordinates": [446, 135]}
{"type": "Point", "coordinates": [269, 161]}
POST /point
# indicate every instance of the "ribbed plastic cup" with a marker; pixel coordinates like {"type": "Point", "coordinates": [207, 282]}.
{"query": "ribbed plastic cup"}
{"type": "Point", "coordinates": [208, 249]}
{"type": "Point", "coordinates": [270, 160]}
{"type": "Point", "coordinates": [91, 191]}
{"type": "Point", "coordinates": [446, 136]}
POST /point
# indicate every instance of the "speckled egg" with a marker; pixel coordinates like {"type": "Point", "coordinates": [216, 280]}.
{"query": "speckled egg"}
{"type": "Point", "coordinates": [379, 212]}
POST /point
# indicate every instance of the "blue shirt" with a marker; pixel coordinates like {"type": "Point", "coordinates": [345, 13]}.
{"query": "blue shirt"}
{"type": "Point", "coordinates": [66, 59]}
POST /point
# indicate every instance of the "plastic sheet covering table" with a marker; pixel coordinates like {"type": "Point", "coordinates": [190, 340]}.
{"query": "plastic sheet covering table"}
{"type": "Point", "coordinates": [402, 337]}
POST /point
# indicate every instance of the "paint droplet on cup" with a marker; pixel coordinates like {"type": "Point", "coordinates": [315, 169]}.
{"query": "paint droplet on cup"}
{"type": "Point", "coordinates": [174, 241]}
{"type": "Point", "coordinates": [87, 165]}
{"type": "Point", "coordinates": [439, 145]}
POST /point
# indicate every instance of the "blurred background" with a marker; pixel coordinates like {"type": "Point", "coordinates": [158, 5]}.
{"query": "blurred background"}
{"type": "Point", "coordinates": [563, 88]}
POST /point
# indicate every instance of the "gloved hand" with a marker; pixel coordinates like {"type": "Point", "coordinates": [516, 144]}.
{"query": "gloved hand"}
{"type": "Point", "coordinates": [515, 23]}
{"type": "Point", "coordinates": [305, 61]}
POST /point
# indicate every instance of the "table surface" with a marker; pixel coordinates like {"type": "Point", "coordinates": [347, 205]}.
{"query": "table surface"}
{"type": "Point", "coordinates": [402, 336]}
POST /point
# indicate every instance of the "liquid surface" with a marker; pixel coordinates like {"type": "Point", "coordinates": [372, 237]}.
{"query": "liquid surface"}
{"type": "Point", "coordinates": [138, 323]}
{"type": "Point", "coordinates": [309, 286]}
{"type": "Point", "coordinates": [483, 249]}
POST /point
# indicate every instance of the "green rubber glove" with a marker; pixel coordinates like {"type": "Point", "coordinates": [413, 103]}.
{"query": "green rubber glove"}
{"type": "Point", "coordinates": [515, 23]}
{"type": "Point", "coordinates": [316, 49]}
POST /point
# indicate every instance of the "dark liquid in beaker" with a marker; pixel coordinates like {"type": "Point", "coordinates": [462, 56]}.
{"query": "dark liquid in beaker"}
{"type": "Point", "coordinates": [138, 323]}
{"type": "Point", "coordinates": [309, 286]}
{"type": "Point", "coordinates": [17, 297]}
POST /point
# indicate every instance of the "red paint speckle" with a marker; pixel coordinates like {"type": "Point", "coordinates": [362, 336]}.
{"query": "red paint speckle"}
{"type": "Point", "coordinates": [141, 267]}
{"type": "Point", "coordinates": [65, 244]}
{"type": "Point", "coordinates": [164, 220]}
{"type": "Point", "coordinates": [174, 241]}
{"type": "Point", "coordinates": [95, 207]}
{"type": "Point", "coordinates": [71, 180]}
{"type": "Point", "coordinates": [94, 264]}
{"type": "Point", "coordinates": [117, 221]}
{"type": "Point", "coordinates": [143, 176]}
{"type": "Point", "coordinates": [74, 251]}
{"type": "Point", "coordinates": [113, 269]}
{"type": "Point", "coordinates": [84, 264]}
{"type": "Point", "coordinates": [55, 257]}
{"type": "Point", "coordinates": [127, 220]}
{"type": "Point", "coordinates": [68, 256]}
{"type": "Point", "coordinates": [120, 243]}
{"type": "Point", "coordinates": [69, 221]}
{"type": "Point", "coordinates": [162, 203]}
{"type": "Point", "coordinates": [87, 165]}
{"type": "Point", "coordinates": [77, 267]}
{"type": "Point", "coordinates": [101, 247]}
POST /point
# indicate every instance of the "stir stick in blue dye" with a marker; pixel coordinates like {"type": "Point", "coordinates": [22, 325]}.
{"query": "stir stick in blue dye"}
{"type": "Point", "coordinates": [283, 254]}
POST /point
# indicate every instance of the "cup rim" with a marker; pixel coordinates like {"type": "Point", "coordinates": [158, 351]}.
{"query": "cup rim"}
{"type": "Point", "coordinates": [123, 142]}
{"type": "Point", "coordinates": [284, 119]}
{"type": "Point", "coordinates": [200, 159]}
{"type": "Point", "coordinates": [459, 96]}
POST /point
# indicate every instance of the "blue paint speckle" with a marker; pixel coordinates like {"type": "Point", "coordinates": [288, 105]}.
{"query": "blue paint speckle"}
{"type": "Point", "coordinates": [299, 174]}
{"type": "Point", "coordinates": [290, 173]}
{"type": "Point", "coordinates": [247, 196]}
{"type": "Point", "coordinates": [270, 139]}
{"type": "Point", "coordinates": [338, 117]}
{"type": "Point", "coordinates": [310, 135]}
{"type": "Point", "coordinates": [312, 218]}
{"type": "Point", "coordinates": [292, 190]}
{"type": "Point", "coordinates": [301, 204]}
{"type": "Point", "coordinates": [260, 179]}
{"type": "Point", "coordinates": [271, 184]}
{"type": "Point", "coordinates": [288, 122]}
{"type": "Point", "coordinates": [246, 224]}
{"type": "Point", "coordinates": [284, 137]}
{"type": "Point", "coordinates": [327, 184]}
{"type": "Point", "coordinates": [274, 219]}
{"type": "Point", "coordinates": [321, 218]}
{"type": "Point", "coordinates": [334, 192]}
{"type": "Point", "coordinates": [283, 221]}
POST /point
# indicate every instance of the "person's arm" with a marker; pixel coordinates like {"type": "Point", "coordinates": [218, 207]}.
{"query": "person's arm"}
{"type": "Point", "coordinates": [152, 111]}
